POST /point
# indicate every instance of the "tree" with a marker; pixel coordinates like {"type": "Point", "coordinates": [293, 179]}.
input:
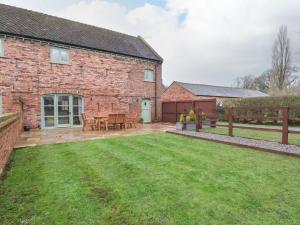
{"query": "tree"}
{"type": "Point", "coordinates": [260, 83]}
{"type": "Point", "coordinates": [282, 72]}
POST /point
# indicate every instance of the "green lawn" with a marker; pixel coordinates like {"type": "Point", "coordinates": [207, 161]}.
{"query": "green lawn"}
{"type": "Point", "coordinates": [265, 135]}
{"type": "Point", "coordinates": [151, 179]}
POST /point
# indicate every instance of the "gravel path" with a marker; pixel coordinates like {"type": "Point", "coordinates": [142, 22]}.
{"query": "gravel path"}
{"type": "Point", "coordinates": [245, 142]}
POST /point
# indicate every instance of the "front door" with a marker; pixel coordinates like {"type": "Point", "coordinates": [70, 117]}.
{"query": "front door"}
{"type": "Point", "coordinates": [146, 110]}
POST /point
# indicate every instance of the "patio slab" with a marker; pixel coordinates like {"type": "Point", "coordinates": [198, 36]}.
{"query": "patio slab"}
{"type": "Point", "coordinates": [63, 135]}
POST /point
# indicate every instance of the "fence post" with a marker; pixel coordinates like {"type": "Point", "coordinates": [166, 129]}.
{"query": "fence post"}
{"type": "Point", "coordinates": [285, 125]}
{"type": "Point", "coordinates": [230, 121]}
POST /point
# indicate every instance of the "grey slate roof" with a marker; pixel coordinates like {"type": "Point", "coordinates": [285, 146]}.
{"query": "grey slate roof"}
{"type": "Point", "coordinates": [219, 91]}
{"type": "Point", "coordinates": [30, 24]}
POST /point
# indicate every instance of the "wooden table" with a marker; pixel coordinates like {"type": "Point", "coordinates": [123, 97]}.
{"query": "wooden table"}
{"type": "Point", "coordinates": [99, 119]}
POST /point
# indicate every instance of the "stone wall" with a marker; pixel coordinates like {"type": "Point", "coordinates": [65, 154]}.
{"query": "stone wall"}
{"type": "Point", "coordinates": [10, 129]}
{"type": "Point", "coordinates": [107, 82]}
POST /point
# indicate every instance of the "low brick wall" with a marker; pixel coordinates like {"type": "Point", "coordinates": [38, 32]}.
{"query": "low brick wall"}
{"type": "Point", "coordinates": [10, 129]}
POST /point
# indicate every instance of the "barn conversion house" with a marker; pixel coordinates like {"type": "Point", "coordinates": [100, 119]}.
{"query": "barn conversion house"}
{"type": "Point", "coordinates": [53, 69]}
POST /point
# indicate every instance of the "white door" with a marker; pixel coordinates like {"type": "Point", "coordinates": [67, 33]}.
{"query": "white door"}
{"type": "Point", "coordinates": [146, 110]}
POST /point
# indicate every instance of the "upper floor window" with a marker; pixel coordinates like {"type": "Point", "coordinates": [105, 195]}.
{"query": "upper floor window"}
{"type": "Point", "coordinates": [59, 55]}
{"type": "Point", "coordinates": [1, 47]}
{"type": "Point", "coordinates": [148, 75]}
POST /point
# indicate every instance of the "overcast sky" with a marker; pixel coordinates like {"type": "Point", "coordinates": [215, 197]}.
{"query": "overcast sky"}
{"type": "Point", "coordinates": [201, 41]}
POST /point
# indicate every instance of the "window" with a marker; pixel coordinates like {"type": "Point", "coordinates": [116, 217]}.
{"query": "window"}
{"type": "Point", "coordinates": [1, 47]}
{"type": "Point", "coordinates": [148, 75]}
{"type": "Point", "coordinates": [59, 55]}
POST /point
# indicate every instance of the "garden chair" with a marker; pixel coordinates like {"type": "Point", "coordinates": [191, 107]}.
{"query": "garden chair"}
{"type": "Point", "coordinates": [87, 122]}
{"type": "Point", "coordinates": [132, 120]}
{"type": "Point", "coordinates": [121, 120]}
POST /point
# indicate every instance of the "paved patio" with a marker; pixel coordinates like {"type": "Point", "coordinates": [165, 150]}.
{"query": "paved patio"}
{"type": "Point", "coordinates": [64, 135]}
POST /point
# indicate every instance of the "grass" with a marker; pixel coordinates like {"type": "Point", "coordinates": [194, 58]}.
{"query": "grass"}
{"type": "Point", "coordinates": [150, 179]}
{"type": "Point", "coordinates": [256, 134]}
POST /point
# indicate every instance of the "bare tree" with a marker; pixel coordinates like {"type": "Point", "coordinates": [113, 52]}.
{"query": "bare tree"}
{"type": "Point", "coordinates": [282, 71]}
{"type": "Point", "coordinates": [260, 83]}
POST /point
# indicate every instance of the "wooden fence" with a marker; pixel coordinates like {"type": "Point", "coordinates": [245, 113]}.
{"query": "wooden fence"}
{"type": "Point", "coordinates": [171, 110]}
{"type": "Point", "coordinates": [264, 114]}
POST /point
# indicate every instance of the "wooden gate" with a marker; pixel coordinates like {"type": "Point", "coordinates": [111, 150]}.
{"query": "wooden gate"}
{"type": "Point", "coordinates": [171, 110]}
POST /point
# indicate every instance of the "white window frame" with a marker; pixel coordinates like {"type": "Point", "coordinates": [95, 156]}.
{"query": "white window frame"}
{"type": "Point", "coordinates": [59, 61]}
{"type": "Point", "coordinates": [146, 78]}
{"type": "Point", "coordinates": [1, 47]}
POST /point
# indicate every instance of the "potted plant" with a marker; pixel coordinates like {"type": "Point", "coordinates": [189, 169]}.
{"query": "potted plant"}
{"type": "Point", "coordinates": [202, 119]}
{"type": "Point", "coordinates": [180, 124]}
{"type": "Point", "coordinates": [191, 123]}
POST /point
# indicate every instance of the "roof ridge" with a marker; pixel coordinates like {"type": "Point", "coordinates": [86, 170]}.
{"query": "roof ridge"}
{"type": "Point", "coordinates": [217, 86]}
{"type": "Point", "coordinates": [74, 21]}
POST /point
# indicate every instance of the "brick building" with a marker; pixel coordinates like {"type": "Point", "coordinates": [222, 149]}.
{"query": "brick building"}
{"type": "Point", "coordinates": [179, 91]}
{"type": "Point", "coordinates": [55, 69]}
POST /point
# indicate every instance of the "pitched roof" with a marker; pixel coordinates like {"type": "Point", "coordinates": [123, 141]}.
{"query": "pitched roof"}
{"type": "Point", "coordinates": [30, 24]}
{"type": "Point", "coordinates": [219, 91]}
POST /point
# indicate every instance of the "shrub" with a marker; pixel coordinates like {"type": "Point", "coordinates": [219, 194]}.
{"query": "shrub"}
{"type": "Point", "coordinates": [278, 101]}
{"type": "Point", "coordinates": [181, 118]}
{"type": "Point", "coordinates": [192, 116]}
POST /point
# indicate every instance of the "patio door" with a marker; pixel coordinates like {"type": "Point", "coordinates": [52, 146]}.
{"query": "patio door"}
{"type": "Point", "coordinates": [61, 110]}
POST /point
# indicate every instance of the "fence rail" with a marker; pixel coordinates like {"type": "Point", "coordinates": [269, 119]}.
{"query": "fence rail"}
{"type": "Point", "coordinates": [282, 115]}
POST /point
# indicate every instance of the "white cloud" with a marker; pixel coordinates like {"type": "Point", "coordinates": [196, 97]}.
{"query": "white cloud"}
{"type": "Point", "coordinates": [217, 41]}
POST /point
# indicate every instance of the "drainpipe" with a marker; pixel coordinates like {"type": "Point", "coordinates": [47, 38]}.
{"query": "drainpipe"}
{"type": "Point", "coordinates": [155, 94]}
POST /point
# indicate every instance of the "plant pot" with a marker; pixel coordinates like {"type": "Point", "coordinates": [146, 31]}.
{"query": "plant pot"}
{"type": "Point", "coordinates": [190, 126]}
{"type": "Point", "coordinates": [179, 126]}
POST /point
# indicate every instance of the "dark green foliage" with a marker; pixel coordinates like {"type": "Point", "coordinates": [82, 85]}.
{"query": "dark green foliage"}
{"type": "Point", "coordinates": [255, 103]}
{"type": "Point", "coordinates": [279, 101]}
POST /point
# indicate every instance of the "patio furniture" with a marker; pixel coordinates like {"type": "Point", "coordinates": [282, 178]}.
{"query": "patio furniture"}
{"type": "Point", "coordinates": [87, 122]}
{"type": "Point", "coordinates": [101, 122]}
{"type": "Point", "coordinates": [132, 120]}
{"type": "Point", "coordinates": [115, 120]}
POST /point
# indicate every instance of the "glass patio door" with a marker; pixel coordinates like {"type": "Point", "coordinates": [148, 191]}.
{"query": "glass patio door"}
{"type": "Point", "coordinates": [61, 110]}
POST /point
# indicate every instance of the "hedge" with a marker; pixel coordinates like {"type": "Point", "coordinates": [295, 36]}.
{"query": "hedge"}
{"type": "Point", "coordinates": [280, 101]}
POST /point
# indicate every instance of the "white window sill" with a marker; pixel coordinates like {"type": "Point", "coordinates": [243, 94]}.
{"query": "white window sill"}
{"type": "Point", "coordinates": [60, 63]}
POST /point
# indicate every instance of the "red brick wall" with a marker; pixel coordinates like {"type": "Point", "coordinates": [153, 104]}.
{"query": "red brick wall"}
{"type": "Point", "coordinates": [26, 72]}
{"type": "Point", "coordinates": [10, 129]}
{"type": "Point", "coordinates": [177, 93]}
